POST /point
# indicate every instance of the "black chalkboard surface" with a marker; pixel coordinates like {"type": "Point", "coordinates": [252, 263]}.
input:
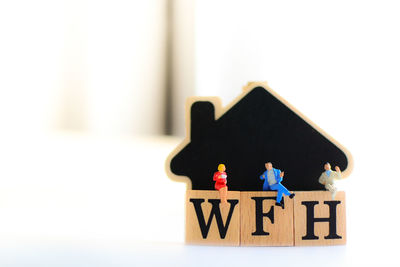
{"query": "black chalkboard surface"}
{"type": "Point", "coordinates": [259, 127]}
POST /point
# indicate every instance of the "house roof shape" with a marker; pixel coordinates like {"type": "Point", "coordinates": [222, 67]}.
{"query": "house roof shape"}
{"type": "Point", "coordinates": [257, 127]}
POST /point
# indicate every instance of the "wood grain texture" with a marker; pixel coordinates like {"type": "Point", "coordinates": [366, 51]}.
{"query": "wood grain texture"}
{"type": "Point", "coordinates": [280, 231]}
{"type": "Point", "coordinates": [193, 230]}
{"type": "Point", "coordinates": [306, 200]}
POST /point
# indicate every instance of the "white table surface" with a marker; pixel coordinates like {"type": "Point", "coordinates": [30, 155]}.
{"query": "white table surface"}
{"type": "Point", "coordinates": [68, 199]}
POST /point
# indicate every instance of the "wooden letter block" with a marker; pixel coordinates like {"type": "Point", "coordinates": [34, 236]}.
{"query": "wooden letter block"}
{"type": "Point", "coordinates": [319, 219]}
{"type": "Point", "coordinates": [210, 222]}
{"type": "Point", "coordinates": [263, 223]}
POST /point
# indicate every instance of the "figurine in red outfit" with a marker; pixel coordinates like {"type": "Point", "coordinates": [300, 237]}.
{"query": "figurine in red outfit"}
{"type": "Point", "coordinates": [220, 183]}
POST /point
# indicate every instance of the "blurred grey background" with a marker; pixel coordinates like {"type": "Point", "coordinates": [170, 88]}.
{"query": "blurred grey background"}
{"type": "Point", "coordinates": [92, 97]}
{"type": "Point", "coordinates": [126, 67]}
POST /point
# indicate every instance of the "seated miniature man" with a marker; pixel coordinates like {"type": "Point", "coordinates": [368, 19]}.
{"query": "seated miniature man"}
{"type": "Point", "coordinates": [328, 176]}
{"type": "Point", "coordinates": [272, 181]}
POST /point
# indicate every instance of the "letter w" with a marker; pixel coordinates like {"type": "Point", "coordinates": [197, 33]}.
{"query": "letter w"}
{"type": "Point", "coordinates": [215, 211]}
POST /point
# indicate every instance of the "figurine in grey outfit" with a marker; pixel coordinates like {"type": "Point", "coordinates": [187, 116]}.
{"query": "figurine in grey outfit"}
{"type": "Point", "coordinates": [328, 176]}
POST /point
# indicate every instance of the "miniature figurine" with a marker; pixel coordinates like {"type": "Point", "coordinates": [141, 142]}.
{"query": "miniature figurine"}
{"type": "Point", "coordinates": [220, 183]}
{"type": "Point", "coordinates": [328, 176]}
{"type": "Point", "coordinates": [272, 181]}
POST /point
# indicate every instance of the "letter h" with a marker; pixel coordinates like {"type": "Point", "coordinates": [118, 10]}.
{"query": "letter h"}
{"type": "Point", "coordinates": [311, 220]}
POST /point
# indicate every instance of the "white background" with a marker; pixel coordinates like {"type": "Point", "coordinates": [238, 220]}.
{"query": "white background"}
{"type": "Point", "coordinates": [99, 196]}
{"type": "Point", "coordinates": [74, 200]}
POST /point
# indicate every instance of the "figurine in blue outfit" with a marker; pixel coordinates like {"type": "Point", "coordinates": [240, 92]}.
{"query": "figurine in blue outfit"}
{"type": "Point", "coordinates": [272, 181]}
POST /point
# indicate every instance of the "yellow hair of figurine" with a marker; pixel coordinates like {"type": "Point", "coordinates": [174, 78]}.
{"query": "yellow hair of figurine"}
{"type": "Point", "coordinates": [221, 167]}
